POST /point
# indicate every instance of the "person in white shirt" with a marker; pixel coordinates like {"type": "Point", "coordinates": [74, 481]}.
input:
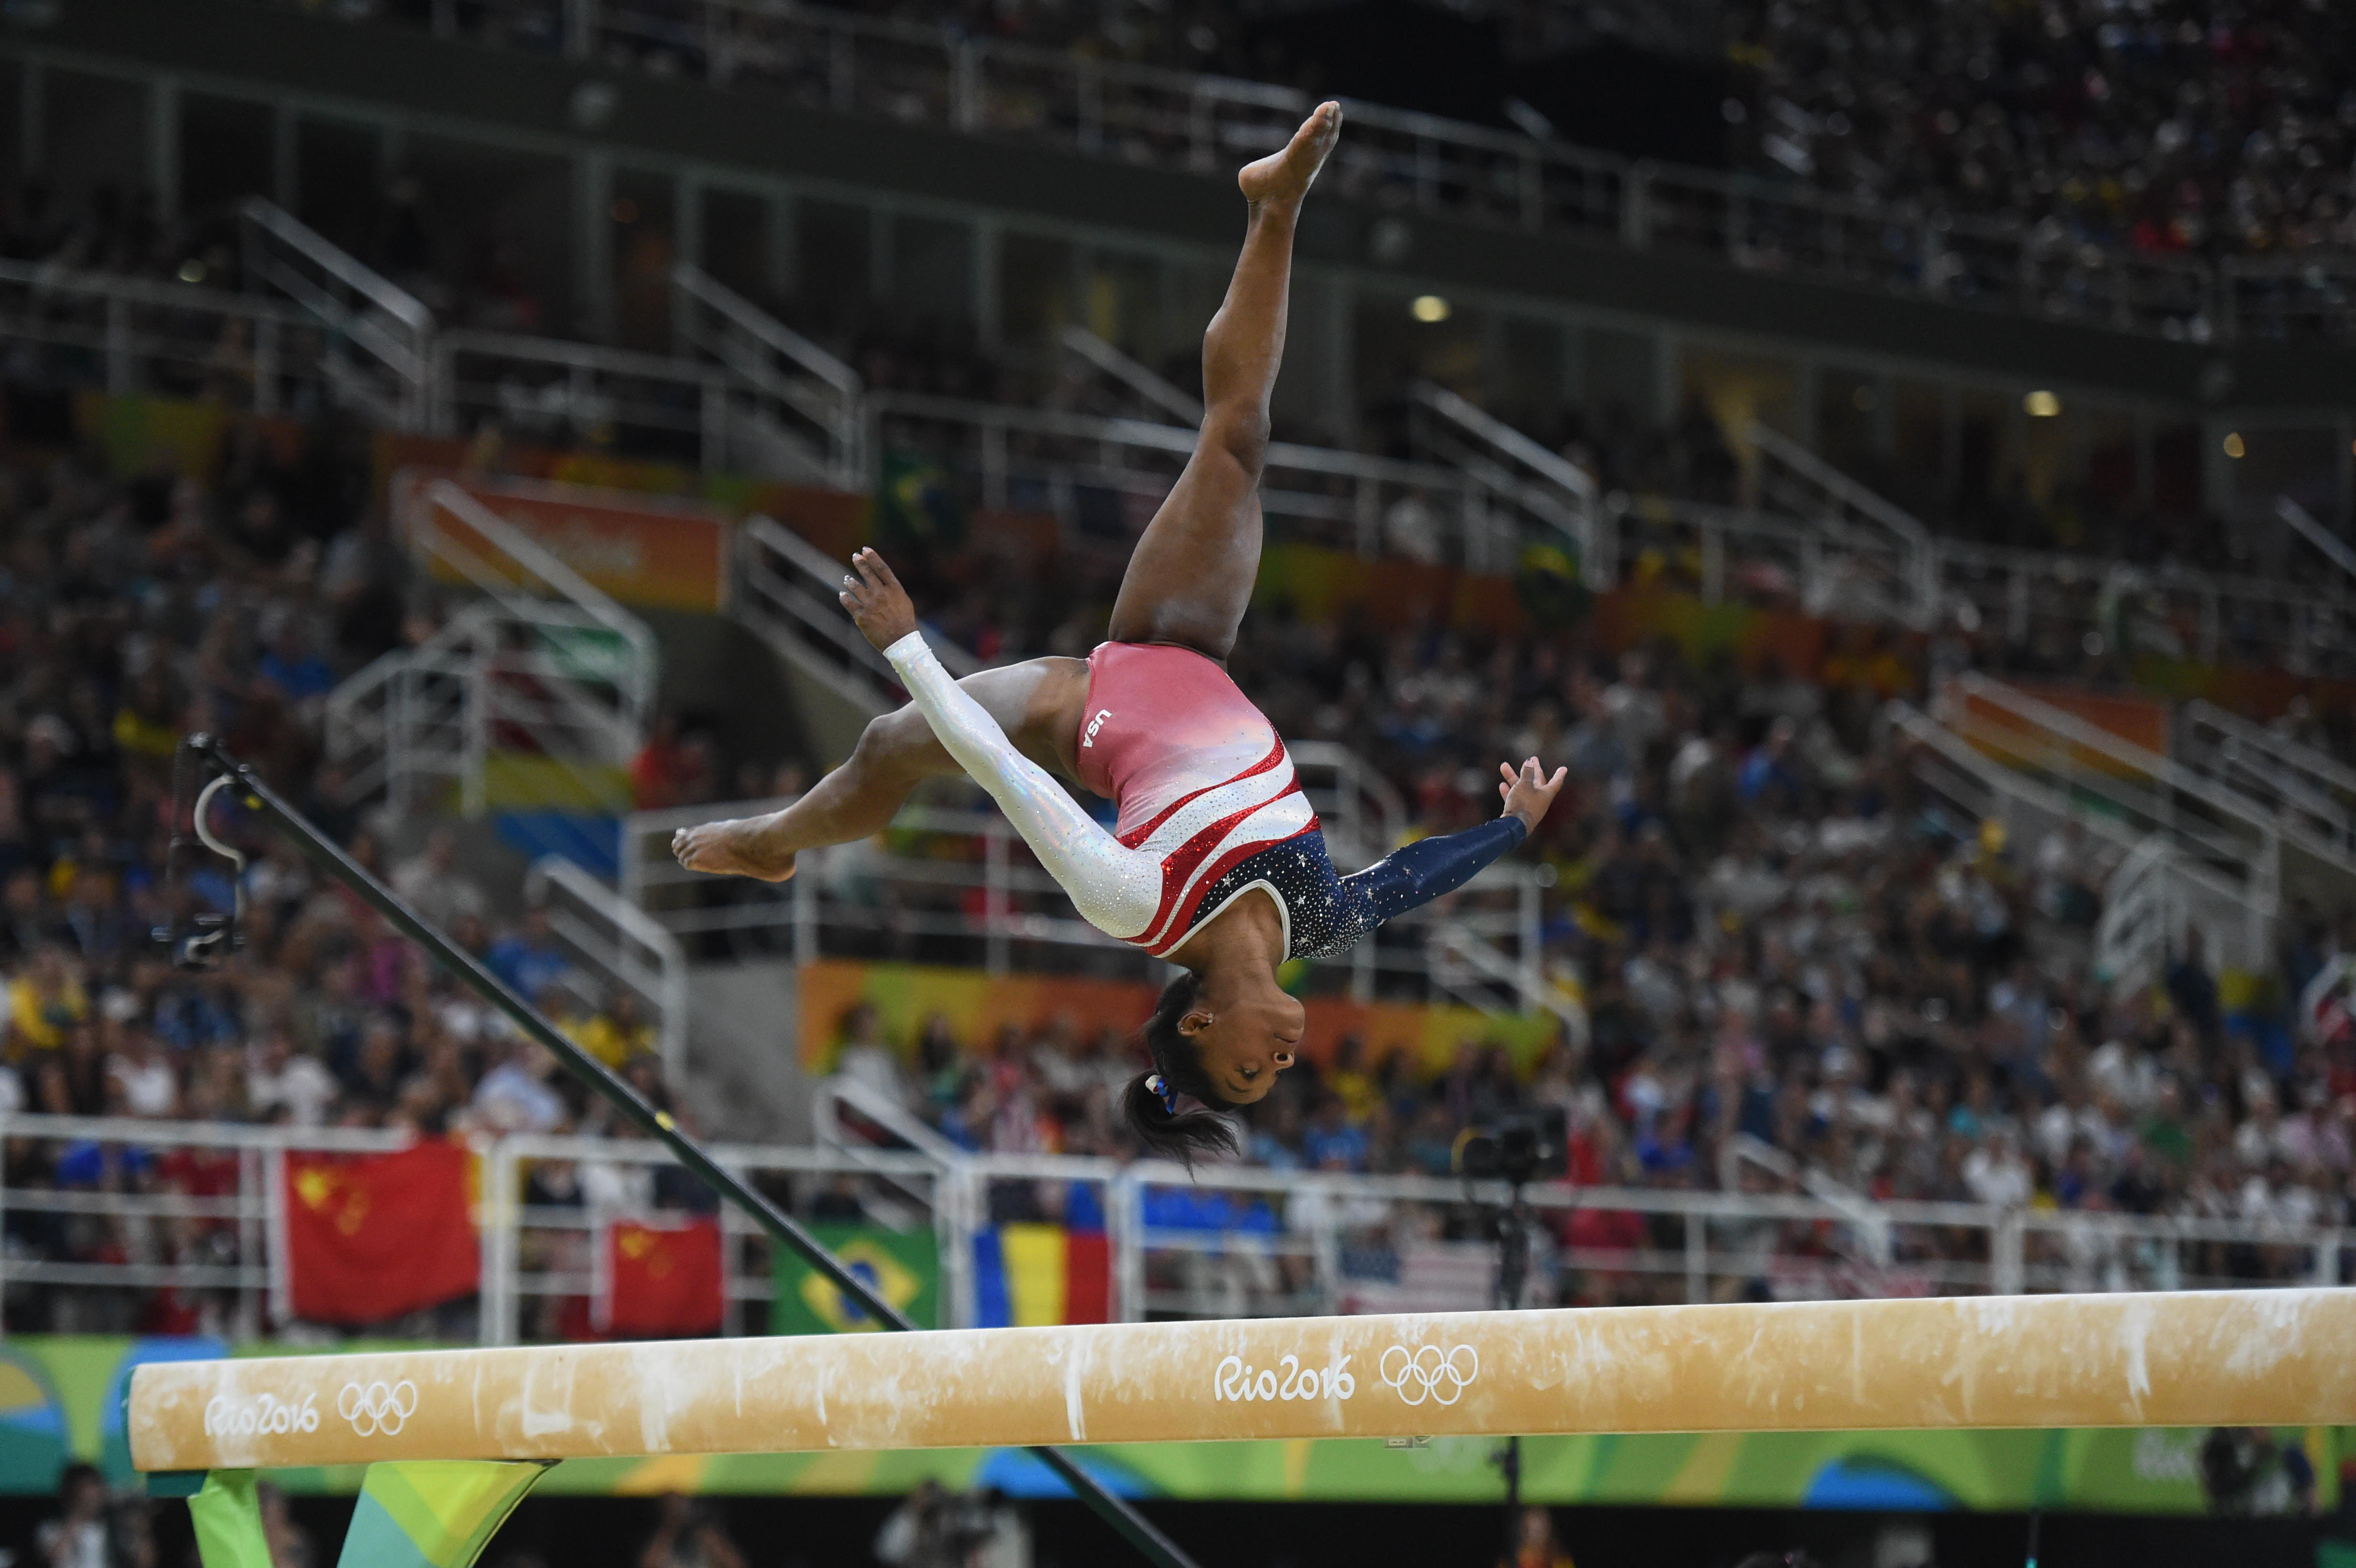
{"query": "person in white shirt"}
{"type": "Point", "coordinates": [144, 1077]}
{"type": "Point", "coordinates": [432, 883]}
{"type": "Point", "coordinates": [78, 1537]}
{"type": "Point", "coordinates": [514, 1096]}
{"type": "Point", "coordinates": [1996, 1174]}
{"type": "Point", "coordinates": [277, 1075]}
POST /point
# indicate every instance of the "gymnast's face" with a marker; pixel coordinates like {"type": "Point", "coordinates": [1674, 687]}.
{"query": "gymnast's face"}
{"type": "Point", "coordinates": [1246, 1032]}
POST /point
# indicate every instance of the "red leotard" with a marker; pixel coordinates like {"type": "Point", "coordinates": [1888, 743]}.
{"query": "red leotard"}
{"type": "Point", "coordinates": [1200, 777]}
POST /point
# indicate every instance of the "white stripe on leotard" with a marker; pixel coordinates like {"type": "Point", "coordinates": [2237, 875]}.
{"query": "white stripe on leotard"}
{"type": "Point", "coordinates": [1279, 820]}
{"type": "Point", "coordinates": [1225, 800]}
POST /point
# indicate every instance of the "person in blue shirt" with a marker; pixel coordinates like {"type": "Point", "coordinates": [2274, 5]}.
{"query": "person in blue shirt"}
{"type": "Point", "coordinates": [1333, 1143]}
{"type": "Point", "coordinates": [527, 959]}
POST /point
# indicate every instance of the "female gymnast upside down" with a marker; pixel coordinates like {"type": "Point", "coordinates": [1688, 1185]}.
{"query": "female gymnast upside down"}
{"type": "Point", "coordinates": [1210, 814]}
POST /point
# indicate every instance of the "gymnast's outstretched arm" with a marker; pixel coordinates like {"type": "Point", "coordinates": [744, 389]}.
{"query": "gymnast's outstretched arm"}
{"type": "Point", "coordinates": [1116, 889]}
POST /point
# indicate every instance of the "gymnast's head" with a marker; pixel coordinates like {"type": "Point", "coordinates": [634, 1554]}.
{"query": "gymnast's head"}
{"type": "Point", "coordinates": [1219, 1035]}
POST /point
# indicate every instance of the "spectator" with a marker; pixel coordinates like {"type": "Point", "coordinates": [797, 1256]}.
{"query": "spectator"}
{"type": "Point", "coordinates": [45, 1001]}
{"type": "Point", "coordinates": [528, 958]}
{"type": "Point", "coordinates": [282, 1083]}
{"type": "Point", "coordinates": [688, 1535]}
{"type": "Point", "coordinates": [85, 1534]}
{"type": "Point", "coordinates": [1333, 1141]}
{"type": "Point", "coordinates": [432, 883]}
{"type": "Point", "coordinates": [515, 1096]}
{"type": "Point", "coordinates": [145, 1082]}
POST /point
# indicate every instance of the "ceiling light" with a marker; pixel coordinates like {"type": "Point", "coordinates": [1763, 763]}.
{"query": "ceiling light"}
{"type": "Point", "coordinates": [1430, 308]}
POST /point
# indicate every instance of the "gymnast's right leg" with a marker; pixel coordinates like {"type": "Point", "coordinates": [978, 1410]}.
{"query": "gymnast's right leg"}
{"type": "Point", "coordinates": [1192, 572]}
{"type": "Point", "coordinates": [1036, 702]}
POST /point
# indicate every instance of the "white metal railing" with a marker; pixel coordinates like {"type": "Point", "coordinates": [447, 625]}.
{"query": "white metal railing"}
{"type": "Point", "coordinates": [623, 949]}
{"type": "Point", "coordinates": [917, 73]}
{"type": "Point", "coordinates": [2331, 546]}
{"type": "Point", "coordinates": [547, 1253]}
{"type": "Point", "coordinates": [543, 664]}
{"type": "Point", "coordinates": [2307, 787]}
{"type": "Point", "coordinates": [1221, 1241]}
{"type": "Point", "coordinates": [2049, 598]}
{"type": "Point", "coordinates": [2146, 917]}
{"type": "Point", "coordinates": [2199, 867]}
{"type": "Point", "coordinates": [2223, 816]}
{"type": "Point", "coordinates": [957, 884]}
{"type": "Point", "coordinates": [1160, 396]}
{"type": "Point", "coordinates": [583, 394]}
{"type": "Point", "coordinates": [135, 335]}
{"type": "Point", "coordinates": [785, 594]}
{"type": "Point", "coordinates": [1548, 491]}
{"type": "Point", "coordinates": [1107, 477]}
{"type": "Point", "coordinates": [138, 336]}
{"type": "Point", "coordinates": [1863, 526]}
{"type": "Point", "coordinates": [1364, 816]}
{"type": "Point", "coordinates": [784, 389]}
{"type": "Point", "coordinates": [379, 337]}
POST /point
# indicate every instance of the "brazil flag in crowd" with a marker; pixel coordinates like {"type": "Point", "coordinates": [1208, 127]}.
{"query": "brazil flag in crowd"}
{"type": "Point", "coordinates": [914, 504]}
{"type": "Point", "coordinates": [901, 1266]}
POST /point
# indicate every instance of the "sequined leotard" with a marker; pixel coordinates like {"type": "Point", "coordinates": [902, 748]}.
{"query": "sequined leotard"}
{"type": "Point", "coordinates": [1209, 807]}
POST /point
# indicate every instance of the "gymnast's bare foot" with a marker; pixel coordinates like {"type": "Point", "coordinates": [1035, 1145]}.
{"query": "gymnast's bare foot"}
{"type": "Point", "coordinates": [1282, 178]}
{"type": "Point", "coordinates": [744, 847]}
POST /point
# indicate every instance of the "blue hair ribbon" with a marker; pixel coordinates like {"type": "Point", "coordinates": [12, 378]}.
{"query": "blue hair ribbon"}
{"type": "Point", "coordinates": [1162, 1091]}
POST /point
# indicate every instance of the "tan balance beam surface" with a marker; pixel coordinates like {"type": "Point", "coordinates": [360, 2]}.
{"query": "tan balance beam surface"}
{"type": "Point", "coordinates": [2283, 1358]}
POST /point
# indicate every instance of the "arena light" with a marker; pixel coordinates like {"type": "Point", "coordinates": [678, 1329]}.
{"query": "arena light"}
{"type": "Point", "coordinates": [2252, 1358]}
{"type": "Point", "coordinates": [2233, 444]}
{"type": "Point", "coordinates": [1430, 309]}
{"type": "Point", "coordinates": [2040, 405]}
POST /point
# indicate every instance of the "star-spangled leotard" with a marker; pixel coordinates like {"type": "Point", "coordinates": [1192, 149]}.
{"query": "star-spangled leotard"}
{"type": "Point", "coordinates": [1209, 807]}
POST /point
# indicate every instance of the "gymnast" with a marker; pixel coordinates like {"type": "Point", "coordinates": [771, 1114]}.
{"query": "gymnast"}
{"type": "Point", "coordinates": [1215, 863]}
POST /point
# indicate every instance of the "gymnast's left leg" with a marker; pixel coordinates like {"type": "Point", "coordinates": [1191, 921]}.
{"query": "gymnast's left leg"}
{"type": "Point", "coordinates": [1192, 572]}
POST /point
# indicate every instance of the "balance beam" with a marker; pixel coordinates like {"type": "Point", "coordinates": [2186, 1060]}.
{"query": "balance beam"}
{"type": "Point", "coordinates": [2275, 1358]}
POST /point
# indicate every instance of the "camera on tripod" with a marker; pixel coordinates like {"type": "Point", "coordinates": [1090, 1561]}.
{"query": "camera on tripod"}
{"type": "Point", "coordinates": [1518, 1149]}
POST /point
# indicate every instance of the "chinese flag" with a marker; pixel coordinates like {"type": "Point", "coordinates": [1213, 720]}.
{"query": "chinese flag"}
{"type": "Point", "coordinates": [376, 1236]}
{"type": "Point", "coordinates": [660, 1280]}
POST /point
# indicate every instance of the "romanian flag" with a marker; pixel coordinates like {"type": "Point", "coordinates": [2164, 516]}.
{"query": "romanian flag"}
{"type": "Point", "coordinates": [1027, 1276]}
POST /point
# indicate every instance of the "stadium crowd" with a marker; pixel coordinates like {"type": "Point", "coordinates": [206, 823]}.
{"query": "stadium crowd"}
{"type": "Point", "coordinates": [132, 612]}
{"type": "Point", "coordinates": [1773, 931]}
{"type": "Point", "coordinates": [1775, 935]}
{"type": "Point", "coordinates": [2168, 125]}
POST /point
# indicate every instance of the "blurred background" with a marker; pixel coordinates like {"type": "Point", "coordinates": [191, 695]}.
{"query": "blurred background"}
{"type": "Point", "coordinates": [1902, 459]}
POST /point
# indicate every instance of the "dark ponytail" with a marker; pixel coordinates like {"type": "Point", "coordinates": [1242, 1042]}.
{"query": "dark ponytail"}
{"type": "Point", "coordinates": [1179, 1135]}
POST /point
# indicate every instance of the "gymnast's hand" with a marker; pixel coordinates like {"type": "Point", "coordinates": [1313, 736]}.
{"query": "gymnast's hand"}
{"type": "Point", "coordinates": [1529, 792]}
{"type": "Point", "coordinates": [877, 601]}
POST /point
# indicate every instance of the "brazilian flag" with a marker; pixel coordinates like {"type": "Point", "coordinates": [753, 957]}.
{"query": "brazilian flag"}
{"type": "Point", "coordinates": [1546, 580]}
{"type": "Point", "coordinates": [901, 1266]}
{"type": "Point", "coordinates": [916, 504]}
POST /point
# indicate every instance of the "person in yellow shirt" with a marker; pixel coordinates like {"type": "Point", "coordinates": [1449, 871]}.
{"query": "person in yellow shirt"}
{"type": "Point", "coordinates": [45, 999]}
{"type": "Point", "coordinates": [1351, 1082]}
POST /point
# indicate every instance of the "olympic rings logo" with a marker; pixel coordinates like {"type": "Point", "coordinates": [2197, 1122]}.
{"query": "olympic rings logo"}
{"type": "Point", "coordinates": [378, 1409]}
{"type": "Point", "coordinates": [1430, 1373]}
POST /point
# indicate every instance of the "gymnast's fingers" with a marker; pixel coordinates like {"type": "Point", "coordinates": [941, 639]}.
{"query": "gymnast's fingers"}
{"type": "Point", "coordinates": [883, 574]}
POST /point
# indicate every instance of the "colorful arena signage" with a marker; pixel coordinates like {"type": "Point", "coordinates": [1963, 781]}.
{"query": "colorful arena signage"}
{"type": "Point", "coordinates": [641, 549]}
